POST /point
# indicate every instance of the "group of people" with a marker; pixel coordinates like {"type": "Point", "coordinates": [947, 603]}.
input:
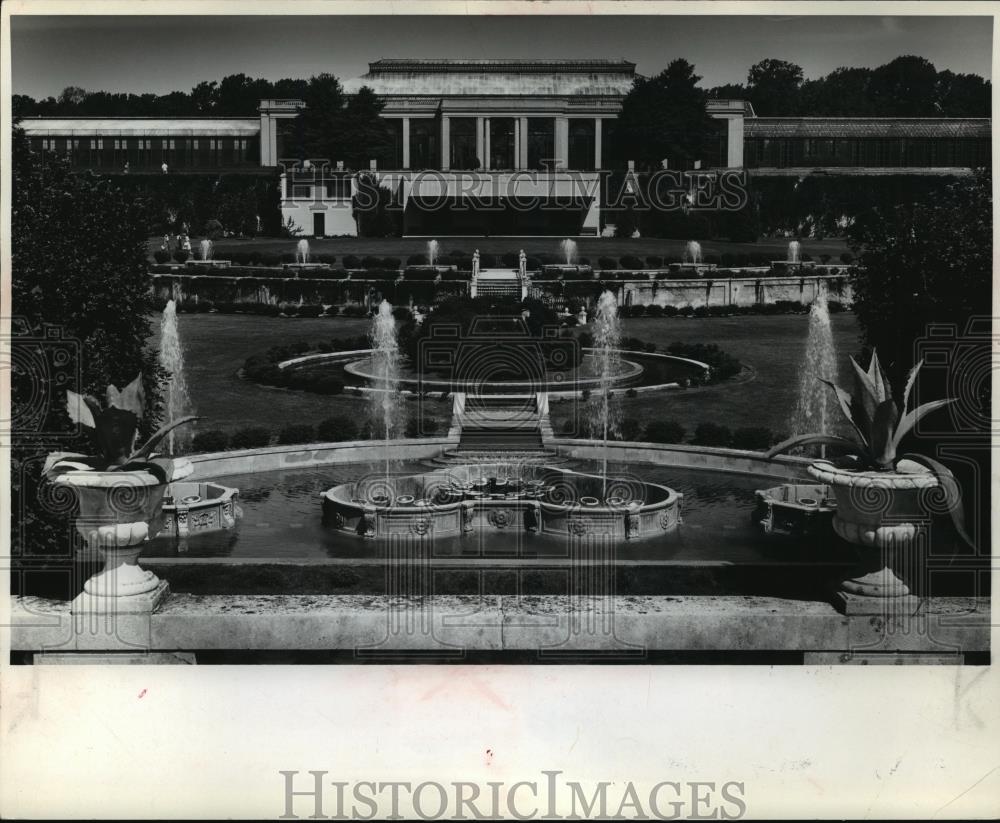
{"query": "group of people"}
{"type": "Point", "coordinates": [183, 241]}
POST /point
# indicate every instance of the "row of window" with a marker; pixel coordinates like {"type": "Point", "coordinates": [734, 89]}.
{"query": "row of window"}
{"type": "Point", "coordinates": [183, 152]}
{"type": "Point", "coordinates": [961, 152]}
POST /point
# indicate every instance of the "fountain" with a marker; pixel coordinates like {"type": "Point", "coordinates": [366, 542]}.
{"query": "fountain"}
{"type": "Point", "coordinates": [794, 262]}
{"type": "Point", "coordinates": [815, 409]}
{"type": "Point", "coordinates": [206, 258]}
{"type": "Point", "coordinates": [385, 410]}
{"type": "Point", "coordinates": [692, 252]}
{"type": "Point", "coordinates": [569, 250]}
{"type": "Point", "coordinates": [693, 261]}
{"type": "Point", "coordinates": [432, 252]}
{"type": "Point", "coordinates": [302, 251]}
{"type": "Point", "coordinates": [794, 249]}
{"type": "Point", "coordinates": [605, 415]}
{"type": "Point", "coordinates": [177, 401]}
{"type": "Point", "coordinates": [799, 509]}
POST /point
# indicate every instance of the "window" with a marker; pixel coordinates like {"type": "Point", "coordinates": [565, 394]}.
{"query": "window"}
{"type": "Point", "coordinates": [463, 143]}
{"type": "Point", "coordinates": [118, 145]}
{"type": "Point", "coordinates": [581, 144]}
{"type": "Point", "coordinates": [149, 145]}
{"type": "Point", "coordinates": [211, 145]}
{"type": "Point", "coordinates": [93, 145]}
{"type": "Point", "coordinates": [194, 145]}
{"type": "Point", "coordinates": [302, 192]}
{"type": "Point", "coordinates": [172, 145]}
{"type": "Point", "coordinates": [502, 143]}
{"type": "Point", "coordinates": [424, 152]}
{"type": "Point", "coordinates": [100, 143]}
{"type": "Point", "coordinates": [541, 142]}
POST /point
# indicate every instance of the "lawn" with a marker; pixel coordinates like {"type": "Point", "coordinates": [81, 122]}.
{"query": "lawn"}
{"type": "Point", "coordinates": [215, 346]}
{"type": "Point", "coordinates": [592, 247]}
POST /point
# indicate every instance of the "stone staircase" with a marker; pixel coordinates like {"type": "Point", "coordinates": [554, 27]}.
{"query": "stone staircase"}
{"type": "Point", "coordinates": [497, 284]}
{"type": "Point", "coordinates": [501, 427]}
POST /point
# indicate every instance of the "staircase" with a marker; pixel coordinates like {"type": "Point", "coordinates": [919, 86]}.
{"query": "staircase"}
{"type": "Point", "coordinates": [497, 284]}
{"type": "Point", "coordinates": [501, 427]}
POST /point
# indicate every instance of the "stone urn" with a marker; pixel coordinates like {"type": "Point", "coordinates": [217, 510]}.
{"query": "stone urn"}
{"type": "Point", "coordinates": [119, 512]}
{"type": "Point", "coordinates": [885, 515]}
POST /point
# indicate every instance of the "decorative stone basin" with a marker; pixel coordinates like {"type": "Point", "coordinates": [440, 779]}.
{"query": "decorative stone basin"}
{"type": "Point", "coordinates": [473, 498]}
{"type": "Point", "coordinates": [795, 509]}
{"type": "Point", "coordinates": [195, 508]}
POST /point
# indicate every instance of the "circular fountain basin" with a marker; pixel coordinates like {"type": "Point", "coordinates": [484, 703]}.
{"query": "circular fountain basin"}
{"type": "Point", "coordinates": [196, 508]}
{"type": "Point", "coordinates": [477, 498]}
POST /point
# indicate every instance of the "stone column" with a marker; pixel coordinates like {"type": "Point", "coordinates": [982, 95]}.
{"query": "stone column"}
{"type": "Point", "coordinates": [597, 142]}
{"type": "Point", "coordinates": [523, 146]}
{"type": "Point", "coordinates": [479, 141]}
{"type": "Point", "coordinates": [734, 142]}
{"type": "Point", "coordinates": [486, 142]}
{"type": "Point", "coordinates": [445, 142]}
{"type": "Point", "coordinates": [562, 142]}
{"type": "Point", "coordinates": [406, 142]}
{"type": "Point", "coordinates": [517, 143]}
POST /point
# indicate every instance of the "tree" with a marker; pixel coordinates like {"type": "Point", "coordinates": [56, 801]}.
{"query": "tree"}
{"type": "Point", "coordinates": [318, 127]}
{"type": "Point", "coordinates": [364, 133]}
{"type": "Point", "coordinates": [79, 265]}
{"type": "Point", "coordinates": [923, 262]}
{"type": "Point", "coordinates": [844, 91]}
{"type": "Point", "coordinates": [773, 87]}
{"type": "Point", "coordinates": [963, 95]}
{"type": "Point", "coordinates": [664, 117]}
{"type": "Point", "coordinates": [905, 87]}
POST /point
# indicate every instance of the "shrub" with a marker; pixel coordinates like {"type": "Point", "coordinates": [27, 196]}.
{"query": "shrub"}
{"type": "Point", "coordinates": [371, 262]}
{"type": "Point", "coordinates": [213, 229]}
{"type": "Point", "coordinates": [753, 438]}
{"type": "Point", "coordinates": [607, 263]}
{"type": "Point", "coordinates": [309, 311]}
{"type": "Point", "coordinates": [251, 437]}
{"type": "Point", "coordinates": [416, 260]}
{"type": "Point", "coordinates": [631, 429]}
{"type": "Point", "coordinates": [213, 440]}
{"type": "Point", "coordinates": [351, 261]}
{"type": "Point", "coordinates": [337, 429]}
{"type": "Point", "coordinates": [402, 314]}
{"type": "Point", "coordinates": [288, 257]}
{"type": "Point", "coordinates": [391, 263]}
{"type": "Point", "coordinates": [328, 259]}
{"type": "Point", "coordinates": [712, 434]}
{"type": "Point", "coordinates": [654, 311]}
{"type": "Point", "coordinates": [271, 259]}
{"type": "Point", "coordinates": [161, 256]}
{"type": "Point", "coordinates": [630, 261]}
{"type": "Point", "coordinates": [654, 261]}
{"type": "Point", "coordinates": [668, 311]}
{"type": "Point", "coordinates": [181, 255]}
{"type": "Point", "coordinates": [665, 431]}
{"type": "Point", "coordinates": [568, 427]}
{"type": "Point", "coordinates": [354, 310]}
{"type": "Point", "coordinates": [847, 258]}
{"type": "Point", "coordinates": [532, 263]}
{"type": "Point", "coordinates": [296, 433]}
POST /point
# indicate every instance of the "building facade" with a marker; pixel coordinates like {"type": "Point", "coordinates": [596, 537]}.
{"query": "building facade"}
{"type": "Point", "coordinates": [501, 146]}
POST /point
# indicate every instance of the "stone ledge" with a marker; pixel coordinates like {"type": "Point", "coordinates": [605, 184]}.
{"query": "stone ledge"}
{"type": "Point", "coordinates": [502, 623]}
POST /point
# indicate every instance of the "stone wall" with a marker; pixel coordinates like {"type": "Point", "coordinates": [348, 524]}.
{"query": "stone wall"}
{"type": "Point", "coordinates": [751, 289]}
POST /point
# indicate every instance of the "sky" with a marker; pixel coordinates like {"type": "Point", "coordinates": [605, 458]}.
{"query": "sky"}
{"type": "Point", "coordinates": [160, 54]}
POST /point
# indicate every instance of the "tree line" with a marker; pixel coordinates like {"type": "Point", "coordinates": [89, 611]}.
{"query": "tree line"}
{"type": "Point", "coordinates": [908, 86]}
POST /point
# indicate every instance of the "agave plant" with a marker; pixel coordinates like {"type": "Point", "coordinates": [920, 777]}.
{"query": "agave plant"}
{"type": "Point", "coordinates": [875, 418]}
{"type": "Point", "coordinates": [114, 430]}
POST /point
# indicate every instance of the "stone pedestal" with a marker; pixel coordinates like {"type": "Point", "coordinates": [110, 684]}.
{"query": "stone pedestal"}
{"type": "Point", "coordinates": [144, 602]}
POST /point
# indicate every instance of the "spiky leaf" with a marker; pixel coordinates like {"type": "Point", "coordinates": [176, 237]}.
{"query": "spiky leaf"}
{"type": "Point", "coordinates": [883, 428]}
{"type": "Point", "coordinates": [79, 410]}
{"type": "Point", "coordinates": [953, 493]}
{"type": "Point", "coordinates": [131, 398]}
{"type": "Point", "coordinates": [878, 379]}
{"type": "Point", "coordinates": [865, 393]}
{"type": "Point", "coordinates": [809, 440]}
{"type": "Point", "coordinates": [910, 380]}
{"type": "Point", "coordinates": [161, 432]}
{"type": "Point", "coordinates": [912, 418]}
{"type": "Point", "coordinates": [845, 400]}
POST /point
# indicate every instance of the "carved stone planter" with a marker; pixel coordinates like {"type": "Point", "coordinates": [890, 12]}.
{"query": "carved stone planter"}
{"type": "Point", "coordinates": [884, 515]}
{"type": "Point", "coordinates": [120, 511]}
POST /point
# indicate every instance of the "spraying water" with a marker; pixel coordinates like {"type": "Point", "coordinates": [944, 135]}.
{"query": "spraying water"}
{"type": "Point", "coordinates": [206, 249]}
{"type": "Point", "coordinates": [385, 409]}
{"type": "Point", "coordinates": [815, 410]}
{"type": "Point", "coordinates": [692, 252]}
{"type": "Point", "coordinates": [432, 251]}
{"type": "Point", "coordinates": [302, 251]}
{"type": "Point", "coordinates": [604, 414]}
{"type": "Point", "coordinates": [569, 251]}
{"type": "Point", "coordinates": [794, 250]}
{"type": "Point", "coordinates": [177, 401]}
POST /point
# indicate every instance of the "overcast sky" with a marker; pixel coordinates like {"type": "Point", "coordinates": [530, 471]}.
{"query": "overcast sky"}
{"type": "Point", "coordinates": [162, 54]}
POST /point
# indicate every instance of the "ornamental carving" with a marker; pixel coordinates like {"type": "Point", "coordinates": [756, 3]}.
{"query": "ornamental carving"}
{"type": "Point", "coordinates": [500, 518]}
